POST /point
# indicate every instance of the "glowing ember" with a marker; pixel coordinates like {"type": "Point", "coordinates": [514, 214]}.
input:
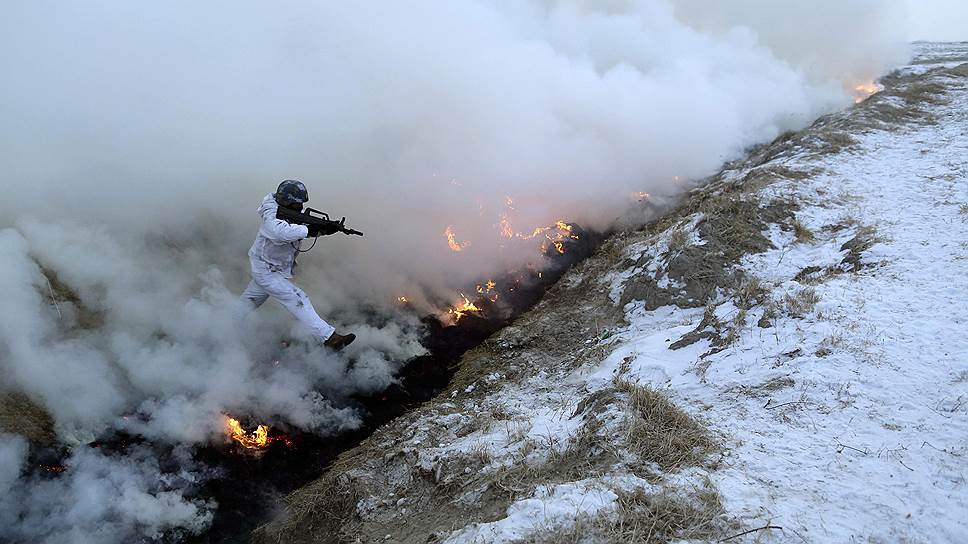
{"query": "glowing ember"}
{"type": "Point", "coordinates": [250, 440]}
{"type": "Point", "coordinates": [463, 309]}
{"type": "Point", "coordinates": [562, 226]}
{"type": "Point", "coordinates": [554, 234]}
{"type": "Point", "coordinates": [403, 300]}
{"type": "Point", "coordinates": [533, 234]}
{"type": "Point", "coordinates": [452, 241]}
{"type": "Point", "coordinates": [865, 90]}
{"type": "Point", "coordinates": [562, 232]}
{"type": "Point", "coordinates": [487, 287]}
{"type": "Point", "coordinates": [641, 196]}
{"type": "Point", "coordinates": [505, 227]}
{"type": "Point", "coordinates": [487, 290]}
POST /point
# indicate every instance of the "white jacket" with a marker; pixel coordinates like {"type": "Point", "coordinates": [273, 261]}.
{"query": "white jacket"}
{"type": "Point", "coordinates": [277, 242]}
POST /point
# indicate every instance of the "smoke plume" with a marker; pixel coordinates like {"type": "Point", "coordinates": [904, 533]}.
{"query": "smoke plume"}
{"type": "Point", "coordinates": [98, 499]}
{"type": "Point", "coordinates": [139, 138]}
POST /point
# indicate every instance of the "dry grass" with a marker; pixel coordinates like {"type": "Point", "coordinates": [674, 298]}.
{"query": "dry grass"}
{"type": "Point", "coordinates": [659, 432]}
{"type": "Point", "coordinates": [769, 314]}
{"type": "Point", "coordinates": [678, 240]}
{"type": "Point", "coordinates": [751, 292]}
{"type": "Point", "coordinates": [732, 226]}
{"type": "Point", "coordinates": [19, 415]}
{"type": "Point", "coordinates": [734, 329]}
{"type": "Point", "coordinates": [736, 223]}
{"type": "Point", "coordinates": [644, 518]}
{"type": "Point", "coordinates": [801, 303]}
{"type": "Point", "coordinates": [864, 238]}
{"type": "Point", "coordinates": [829, 344]}
{"type": "Point", "coordinates": [836, 141]}
{"type": "Point", "coordinates": [586, 455]}
{"type": "Point", "coordinates": [499, 412]}
{"type": "Point", "coordinates": [315, 513]}
{"type": "Point", "coordinates": [814, 275]}
{"type": "Point", "coordinates": [60, 294]}
{"type": "Point", "coordinates": [802, 234]}
{"type": "Point", "coordinates": [923, 92]}
{"type": "Point", "coordinates": [763, 176]}
{"type": "Point", "coordinates": [766, 388]}
{"type": "Point", "coordinates": [709, 328]}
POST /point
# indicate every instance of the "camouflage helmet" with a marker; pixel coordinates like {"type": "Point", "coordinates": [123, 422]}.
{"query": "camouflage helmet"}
{"type": "Point", "coordinates": [291, 191]}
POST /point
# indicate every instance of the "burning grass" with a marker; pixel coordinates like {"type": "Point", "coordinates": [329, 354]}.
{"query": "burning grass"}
{"type": "Point", "coordinates": [253, 440]}
{"type": "Point", "coordinates": [906, 99]}
{"type": "Point", "coordinates": [549, 237]}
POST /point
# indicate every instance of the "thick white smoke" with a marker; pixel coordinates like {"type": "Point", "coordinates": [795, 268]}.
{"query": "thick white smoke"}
{"type": "Point", "coordinates": [406, 117]}
{"type": "Point", "coordinates": [138, 139]}
{"type": "Point", "coordinates": [98, 499]}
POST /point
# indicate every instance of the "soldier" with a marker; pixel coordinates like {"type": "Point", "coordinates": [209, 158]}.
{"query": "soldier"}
{"type": "Point", "coordinates": [272, 257]}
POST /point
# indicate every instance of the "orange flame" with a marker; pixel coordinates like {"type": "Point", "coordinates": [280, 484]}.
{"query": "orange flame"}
{"type": "Point", "coordinates": [865, 90]}
{"type": "Point", "coordinates": [487, 287]}
{"type": "Point", "coordinates": [403, 300]}
{"type": "Point", "coordinates": [487, 290]}
{"type": "Point", "coordinates": [565, 227]}
{"type": "Point", "coordinates": [463, 309]}
{"type": "Point", "coordinates": [505, 226]}
{"type": "Point", "coordinates": [250, 440]}
{"type": "Point", "coordinates": [452, 241]}
{"type": "Point", "coordinates": [533, 234]}
{"type": "Point", "coordinates": [563, 231]}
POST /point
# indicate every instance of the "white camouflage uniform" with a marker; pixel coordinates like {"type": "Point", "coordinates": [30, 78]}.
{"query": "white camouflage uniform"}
{"type": "Point", "coordinates": [272, 257]}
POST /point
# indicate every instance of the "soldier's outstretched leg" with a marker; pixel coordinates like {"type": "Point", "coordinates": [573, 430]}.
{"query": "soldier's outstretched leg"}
{"type": "Point", "coordinates": [295, 300]}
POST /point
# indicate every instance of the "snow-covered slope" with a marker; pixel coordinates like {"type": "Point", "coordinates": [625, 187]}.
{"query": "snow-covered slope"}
{"type": "Point", "coordinates": [806, 311]}
{"type": "Point", "coordinates": [850, 422]}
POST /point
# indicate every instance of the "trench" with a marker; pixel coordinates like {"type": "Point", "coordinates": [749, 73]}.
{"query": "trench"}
{"type": "Point", "coordinates": [253, 485]}
{"type": "Point", "coordinates": [250, 484]}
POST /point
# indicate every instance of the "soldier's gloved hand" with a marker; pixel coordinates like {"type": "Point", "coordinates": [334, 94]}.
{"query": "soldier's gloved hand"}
{"type": "Point", "coordinates": [329, 229]}
{"type": "Point", "coordinates": [313, 230]}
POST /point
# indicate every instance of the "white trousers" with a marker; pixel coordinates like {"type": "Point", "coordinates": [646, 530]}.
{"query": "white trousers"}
{"type": "Point", "coordinates": [266, 283]}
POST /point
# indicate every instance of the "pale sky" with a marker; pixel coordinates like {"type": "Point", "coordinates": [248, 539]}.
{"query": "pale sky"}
{"type": "Point", "coordinates": [938, 20]}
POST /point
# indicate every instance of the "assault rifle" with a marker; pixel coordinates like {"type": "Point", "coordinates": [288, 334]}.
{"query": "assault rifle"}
{"type": "Point", "coordinates": [320, 222]}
